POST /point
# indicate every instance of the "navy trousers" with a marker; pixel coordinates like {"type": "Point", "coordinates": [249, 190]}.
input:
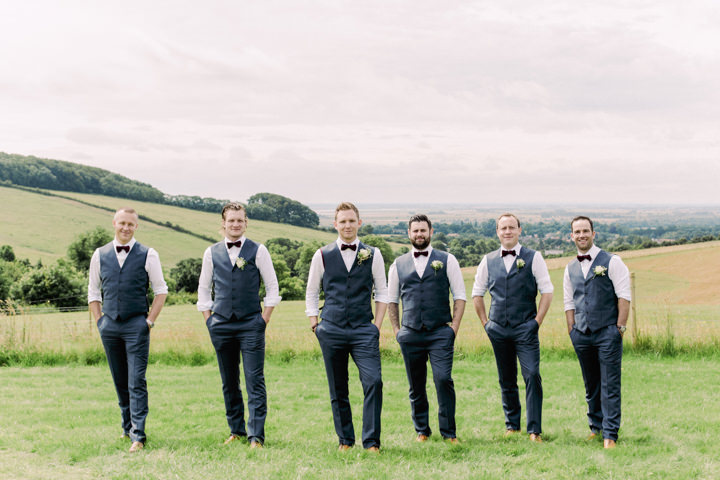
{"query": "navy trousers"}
{"type": "Point", "coordinates": [438, 346]}
{"type": "Point", "coordinates": [126, 344]}
{"type": "Point", "coordinates": [600, 356]}
{"type": "Point", "coordinates": [513, 344]}
{"type": "Point", "coordinates": [232, 338]}
{"type": "Point", "coordinates": [362, 343]}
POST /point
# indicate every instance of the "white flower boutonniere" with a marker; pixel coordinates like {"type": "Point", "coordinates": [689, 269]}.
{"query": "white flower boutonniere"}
{"type": "Point", "coordinates": [363, 254]}
{"type": "Point", "coordinates": [599, 271]}
{"type": "Point", "coordinates": [241, 262]}
{"type": "Point", "coordinates": [520, 263]}
{"type": "Point", "coordinates": [436, 265]}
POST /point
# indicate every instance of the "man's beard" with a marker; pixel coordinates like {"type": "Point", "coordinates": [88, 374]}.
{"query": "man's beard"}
{"type": "Point", "coordinates": [421, 246]}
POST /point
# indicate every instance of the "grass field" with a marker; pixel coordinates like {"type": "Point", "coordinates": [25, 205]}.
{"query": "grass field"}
{"type": "Point", "coordinates": [29, 220]}
{"type": "Point", "coordinates": [63, 423]}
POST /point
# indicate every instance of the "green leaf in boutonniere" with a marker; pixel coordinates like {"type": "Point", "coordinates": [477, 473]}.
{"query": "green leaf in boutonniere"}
{"type": "Point", "coordinates": [241, 262]}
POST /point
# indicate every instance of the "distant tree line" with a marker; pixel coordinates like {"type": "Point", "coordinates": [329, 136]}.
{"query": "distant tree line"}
{"type": "Point", "coordinates": [34, 172]}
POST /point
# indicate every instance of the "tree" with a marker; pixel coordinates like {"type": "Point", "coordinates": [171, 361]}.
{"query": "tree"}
{"type": "Point", "coordinates": [276, 208]}
{"type": "Point", "coordinates": [7, 253]}
{"type": "Point", "coordinates": [186, 274]}
{"type": "Point", "coordinates": [383, 245]}
{"type": "Point", "coordinates": [59, 284]}
{"type": "Point", "coordinates": [81, 249]}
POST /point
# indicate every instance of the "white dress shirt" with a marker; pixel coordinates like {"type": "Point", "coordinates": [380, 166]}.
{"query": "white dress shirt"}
{"type": "Point", "coordinates": [263, 263]}
{"type": "Point", "coordinates": [152, 267]}
{"type": "Point", "coordinates": [457, 285]}
{"type": "Point", "coordinates": [539, 271]}
{"type": "Point", "coordinates": [349, 256]}
{"type": "Point", "coordinates": [617, 272]}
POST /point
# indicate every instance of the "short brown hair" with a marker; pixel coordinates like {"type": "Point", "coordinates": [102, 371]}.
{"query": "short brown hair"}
{"type": "Point", "coordinates": [346, 206]}
{"type": "Point", "coordinates": [497, 222]}
{"type": "Point", "coordinates": [420, 217]}
{"type": "Point", "coordinates": [582, 217]}
{"type": "Point", "coordinates": [233, 206]}
{"type": "Point", "coordinates": [129, 210]}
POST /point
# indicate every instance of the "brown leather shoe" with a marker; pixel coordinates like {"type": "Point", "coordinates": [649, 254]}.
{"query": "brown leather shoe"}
{"type": "Point", "coordinates": [344, 448]}
{"type": "Point", "coordinates": [609, 443]}
{"type": "Point", "coordinates": [453, 441]}
{"type": "Point", "coordinates": [592, 437]}
{"type": "Point", "coordinates": [510, 432]}
{"type": "Point", "coordinates": [535, 437]}
{"type": "Point", "coordinates": [232, 438]}
{"type": "Point", "coordinates": [373, 449]}
{"type": "Point", "coordinates": [256, 444]}
{"type": "Point", "coordinates": [136, 447]}
{"type": "Point", "coordinates": [421, 438]}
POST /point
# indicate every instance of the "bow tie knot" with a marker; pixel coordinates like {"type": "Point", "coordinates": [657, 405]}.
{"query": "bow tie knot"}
{"type": "Point", "coordinates": [423, 253]}
{"type": "Point", "coordinates": [351, 246]}
{"type": "Point", "coordinates": [584, 257]}
{"type": "Point", "coordinates": [508, 252]}
{"type": "Point", "coordinates": [122, 248]}
{"type": "Point", "coordinates": [234, 244]}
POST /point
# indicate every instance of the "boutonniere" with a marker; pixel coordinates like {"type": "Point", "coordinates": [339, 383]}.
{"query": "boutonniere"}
{"type": "Point", "coordinates": [599, 271]}
{"type": "Point", "coordinates": [363, 254]}
{"type": "Point", "coordinates": [241, 262]}
{"type": "Point", "coordinates": [436, 265]}
{"type": "Point", "coordinates": [520, 263]}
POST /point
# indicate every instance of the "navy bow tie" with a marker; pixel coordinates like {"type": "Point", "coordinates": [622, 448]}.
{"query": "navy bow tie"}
{"type": "Point", "coordinates": [120, 248]}
{"type": "Point", "coordinates": [584, 257]}
{"type": "Point", "coordinates": [418, 254]}
{"type": "Point", "coordinates": [508, 252]}
{"type": "Point", "coordinates": [234, 244]}
{"type": "Point", "coordinates": [345, 246]}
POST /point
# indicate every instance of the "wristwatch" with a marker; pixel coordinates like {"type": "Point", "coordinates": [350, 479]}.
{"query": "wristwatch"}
{"type": "Point", "coordinates": [622, 328]}
{"type": "Point", "coordinates": [150, 323]}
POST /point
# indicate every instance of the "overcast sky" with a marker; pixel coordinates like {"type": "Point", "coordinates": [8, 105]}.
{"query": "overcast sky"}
{"type": "Point", "coordinates": [512, 101]}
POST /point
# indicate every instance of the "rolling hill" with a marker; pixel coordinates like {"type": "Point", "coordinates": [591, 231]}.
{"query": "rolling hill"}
{"type": "Point", "coordinates": [41, 227]}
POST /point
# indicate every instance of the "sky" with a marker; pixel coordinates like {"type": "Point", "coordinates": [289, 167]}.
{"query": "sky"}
{"type": "Point", "coordinates": [481, 102]}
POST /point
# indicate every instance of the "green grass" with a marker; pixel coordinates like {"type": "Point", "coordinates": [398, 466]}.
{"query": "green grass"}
{"type": "Point", "coordinates": [63, 422]}
{"type": "Point", "coordinates": [41, 227]}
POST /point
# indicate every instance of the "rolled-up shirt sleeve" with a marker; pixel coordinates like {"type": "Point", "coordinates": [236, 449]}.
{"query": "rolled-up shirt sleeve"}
{"type": "Point", "coordinates": [155, 273]}
{"type": "Point", "coordinates": [457, 285]}
{"type": "Point", "coordinates": [620, 276]}
{"type": "Point", "coordinates": [378, 272]}
{"type": "Point", "coordinates": [541, 274]}
{"type": "Point", "coordinates": [480, 285]}
{"type": "Point", "coordinates": [205, 301]}
{"type": "Point", "coordinates": [568, 300]}
{"type": "Point", "coordinates": [94, 292]}
{"type": "Point", "coordinates": [267, 272]}
{"type": "Point", "coordinates": [312, 291]}
{"type": "Point", "coordinates": [393, 284]}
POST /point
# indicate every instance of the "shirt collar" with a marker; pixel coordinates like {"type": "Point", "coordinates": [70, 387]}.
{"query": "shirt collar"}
{"type": "Point", "coordinates": [340, 242]}
{"type": "Point", "coordinates": [593, 252]}
{"type": "Point", "coordinates": [227, 240]}
{"type": "Point", "coordinates": [429, 249]}
{"type": "Point", "coordinates": [131, 243]}
{"type": "Point", "coordinates": [517, 248]}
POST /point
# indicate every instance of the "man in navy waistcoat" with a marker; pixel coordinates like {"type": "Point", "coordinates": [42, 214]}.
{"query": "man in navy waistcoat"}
{"type": "Point", "coordinates": [349, 271]}
{"type": "Point", "coordinates": [231, 270]}
{"type": "Point", "coordinates": [513, 275]}
{"type": "Point", "coordinates": [423, 279]}
{"type": "Point", "coordinates": [117, 296]}
{"type": "Point", "coordinates": [597, 295]}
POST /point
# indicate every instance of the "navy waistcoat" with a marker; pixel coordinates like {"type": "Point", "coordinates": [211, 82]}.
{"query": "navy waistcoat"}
{"type": "Point", "coordinates": [425, 300]}
{"type": "Point", "coordinates": [596, 305]}
{"type": "Point", "coordinates": [514, 292]}
{"type": "Point", "coordinates": [236, 290]}
{"type": "Point", "coordinates": [348, 295]}
{"type": "Point", "coordinates": [124, 290]}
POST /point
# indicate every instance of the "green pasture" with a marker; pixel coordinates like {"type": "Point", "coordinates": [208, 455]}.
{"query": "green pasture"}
{"type": "Point", "coordinates": [63, 423]}
{"type": "Point", "coordinates": [41, 227]}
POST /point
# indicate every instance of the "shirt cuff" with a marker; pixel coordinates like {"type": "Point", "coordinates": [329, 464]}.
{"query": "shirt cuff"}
{"type": "Point", "coordinates": [271, 301]}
